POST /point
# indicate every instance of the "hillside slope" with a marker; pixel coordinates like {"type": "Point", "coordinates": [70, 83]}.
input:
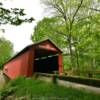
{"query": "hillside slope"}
{"type": "Point", "coordinates": [31, 89]}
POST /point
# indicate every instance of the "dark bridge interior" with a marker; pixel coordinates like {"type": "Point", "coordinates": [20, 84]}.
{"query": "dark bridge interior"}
{"type": "Point", "coordinates": [46, 61]}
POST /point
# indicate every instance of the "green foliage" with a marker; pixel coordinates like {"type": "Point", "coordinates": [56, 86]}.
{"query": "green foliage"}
{"type": "Point", "coordinates": [76, 29]}
{"type": "Point", "coordinates": [49, 28]}
{"type": "Point", "coordinates": [87, 42]}
{"type": "Point", "coordinates": [6, 92]}
{"type": "Point", "coordinates": [31, 89]}
{"type": "Point", "coordinates": [13, 16]}
{"type": "Point", "coordinates": [6, 51]}
{"type": "Point", "coordinates": [10, 88]}
{"type": "Point", "coordinates": [85, 39]}
{"type": "Point", "coordinates": [66, 62]}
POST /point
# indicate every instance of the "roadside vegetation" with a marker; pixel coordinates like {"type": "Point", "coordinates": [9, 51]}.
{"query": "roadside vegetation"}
{"type": "Point", "coordinates": [31, 88]}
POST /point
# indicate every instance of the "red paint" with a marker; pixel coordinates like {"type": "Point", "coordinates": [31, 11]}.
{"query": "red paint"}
{"type": "Point", "coordinates": [13, 69]}
{"type": "Point", "coordinates": [31, 62]}
{"type": "Point", "coordinates": [60, 63]}
{"type": "Point", "coordinates": [23, 63]}
{"type": "Point", "coordinates": [17, 66]}
{"type": "Point", "coordinates": [48, 46]}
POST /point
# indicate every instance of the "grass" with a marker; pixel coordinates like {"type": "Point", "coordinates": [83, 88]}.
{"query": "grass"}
{"type": "Point", "coordinates": [31, 88]}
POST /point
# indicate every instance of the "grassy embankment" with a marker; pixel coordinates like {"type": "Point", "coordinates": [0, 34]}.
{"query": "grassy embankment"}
{"type": "Point", "coordinates": [31, 89]}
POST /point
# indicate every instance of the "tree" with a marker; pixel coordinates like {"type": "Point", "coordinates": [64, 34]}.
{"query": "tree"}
{"type": "Point", "coordinates": [70, 13]}
{"type": "Point", "coordinates": [61, 8]}
{"type": "Point", "coordinates": [6, 51]}
{"type": "Point", "coordinates": [49, 28]}
{"type": "Point", "coordinates": [88, 40]}
{"type": "Point", "coordinates": [13, 16]}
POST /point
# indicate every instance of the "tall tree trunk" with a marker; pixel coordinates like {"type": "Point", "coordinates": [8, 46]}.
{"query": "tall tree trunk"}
{"type": "Point", "coordinates": [69, 43]}
{"type": "Point", "coordinates": [77, 61]}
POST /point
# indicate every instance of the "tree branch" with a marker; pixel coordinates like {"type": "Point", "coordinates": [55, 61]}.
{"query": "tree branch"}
{"type": "Point", "coordinates": [61, 33]}
{"type": "Point", "coordinates": [79, 6]}
{"type": "Point", "coordinates": [98, 10]}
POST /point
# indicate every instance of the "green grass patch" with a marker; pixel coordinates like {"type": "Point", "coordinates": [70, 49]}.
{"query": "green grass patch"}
{"type": "Point", "coordinates": [31, 88]}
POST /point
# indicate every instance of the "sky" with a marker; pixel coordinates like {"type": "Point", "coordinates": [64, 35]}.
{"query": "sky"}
{"type": "Point", "coordinates": [20, 35]}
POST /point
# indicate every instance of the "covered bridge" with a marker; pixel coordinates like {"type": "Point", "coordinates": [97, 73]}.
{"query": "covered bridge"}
{"type": "Point", "coordinates": [42, 57]}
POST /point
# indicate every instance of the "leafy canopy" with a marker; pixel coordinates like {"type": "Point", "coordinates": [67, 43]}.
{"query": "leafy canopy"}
{"type": "Point", "coordinates": [74, 25]}
{"type": "Point", "coordinates": [6, 51]}
{"type": "Point", "coordinates": [13, 16]}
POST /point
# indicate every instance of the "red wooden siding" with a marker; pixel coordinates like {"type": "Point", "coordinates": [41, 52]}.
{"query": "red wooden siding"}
{"type": "Point", "coordinates": [48, 46]}
{"type": "Point", "coordinates": [23, 62]}
{"type": "Point", "coordinates": [60, 63]}
{"type": "Point", "coordinates": [13, 68]}
{"type": "Point", "coordinates": [31, 62]}
{"type": "Point", "coordinates": [18, 66]}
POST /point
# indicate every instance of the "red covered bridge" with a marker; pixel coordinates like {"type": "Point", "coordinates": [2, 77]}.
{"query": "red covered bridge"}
{"type": "Point", "coordinates": [42, 57]}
